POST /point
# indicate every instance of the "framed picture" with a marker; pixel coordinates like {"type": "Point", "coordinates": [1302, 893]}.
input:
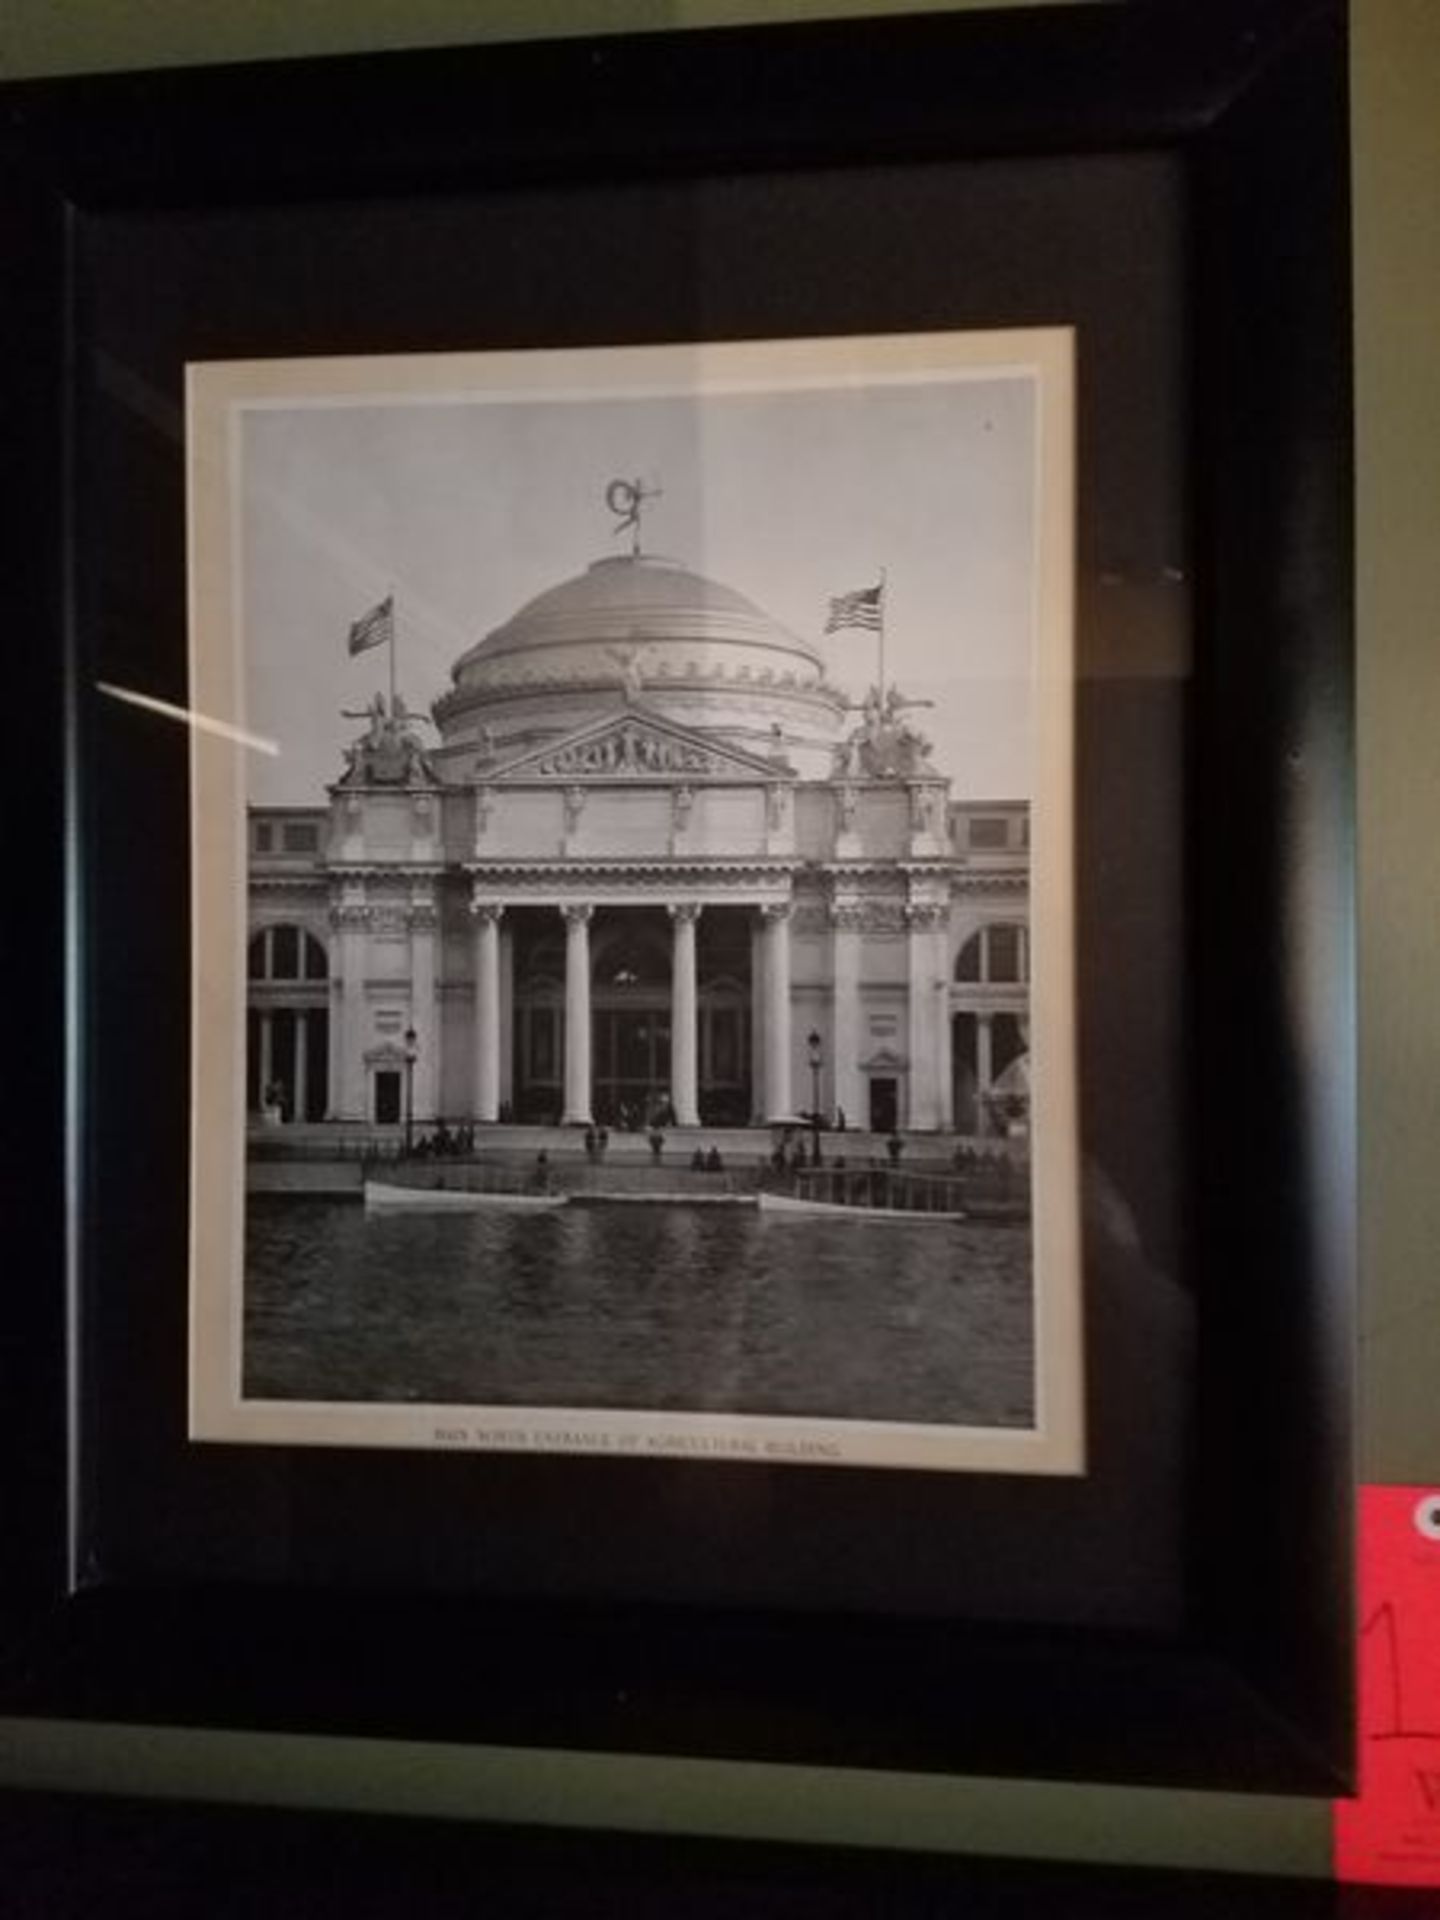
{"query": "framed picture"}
{"type": "Point", "coordinates": [695, 831]}
{"type": "Point", "coordinates": [667, 923]}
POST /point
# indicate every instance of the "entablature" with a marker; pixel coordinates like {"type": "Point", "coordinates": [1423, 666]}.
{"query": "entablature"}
{"type": "Point", "coordinates": [631, 882]}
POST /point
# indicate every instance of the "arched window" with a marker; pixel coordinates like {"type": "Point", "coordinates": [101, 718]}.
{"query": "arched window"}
{"type": "Point", "coordinates": [635, 958]}
{"type": "Point", "coordinates": [287, 953]}
{"type": "Point", "coordinates": [997, 955]}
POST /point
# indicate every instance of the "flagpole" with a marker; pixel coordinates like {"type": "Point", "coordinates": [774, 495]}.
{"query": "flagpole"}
{"type": "Point", "coordinates": [391, 624]}
{"type": "Point", "coordinates": [880, 630]}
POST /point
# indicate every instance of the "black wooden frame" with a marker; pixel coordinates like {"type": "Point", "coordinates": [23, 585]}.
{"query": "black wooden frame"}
{"type": "Point", "coordinates": [1251, 96]}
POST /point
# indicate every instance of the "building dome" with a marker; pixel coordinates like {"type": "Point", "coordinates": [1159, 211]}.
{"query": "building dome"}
{"type": "Point", "coordinates": [636, 601]}
{"type": "Point", "coordinates": [648, 628]}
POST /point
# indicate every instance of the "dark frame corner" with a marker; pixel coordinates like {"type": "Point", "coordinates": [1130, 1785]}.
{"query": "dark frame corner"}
{"type": "Point", "coordinates": [1251, 95]}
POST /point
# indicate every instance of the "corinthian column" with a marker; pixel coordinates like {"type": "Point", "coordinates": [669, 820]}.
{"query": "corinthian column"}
{"type": "Point", "coordinates": [684, 1008]}
{"type": "Point", "coordinates": [267, 1054]}
{"type": "Point", "coordinates": [577, 1015]}
{"type": "Point", "coordinates": [777, 1011]}
{"type": "Point", "coordinates": [302, 1066]}
{"type": "Point", "coordinates": [984, 1068]}
{"type": "Point", "coordinates": [507, 1015]}
{"type": "Point", "coordinates": [487, 1010]}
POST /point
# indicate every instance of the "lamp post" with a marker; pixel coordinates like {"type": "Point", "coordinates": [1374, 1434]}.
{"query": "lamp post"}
{"type": "Point", "coordinates": [816, 1058]}
{"type": "Point", "coordinates": [410, 1052]}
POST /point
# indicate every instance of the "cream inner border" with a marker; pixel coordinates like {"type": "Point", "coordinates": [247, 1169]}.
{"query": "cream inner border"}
{"type": "Point", "coordinates": [216, 396]}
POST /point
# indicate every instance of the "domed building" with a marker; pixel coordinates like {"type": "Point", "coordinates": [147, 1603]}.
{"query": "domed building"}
{"type": "Point", "coordinates": [655, 863]}
{"type": "Point", "coordinates": [707, 659]}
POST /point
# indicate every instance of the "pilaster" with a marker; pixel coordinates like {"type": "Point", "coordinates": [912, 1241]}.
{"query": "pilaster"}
{"type": "Point", "coordinates": [424, 924]}
{"type": "Point", "coordinates": [845, 919]}
{"type": "Point", "coordinates": [925, 919]}
{"type": "Point", "coordinates": [350, 917]}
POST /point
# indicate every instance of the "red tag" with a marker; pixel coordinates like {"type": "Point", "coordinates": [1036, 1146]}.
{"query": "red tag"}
{"type": "Point", "coordinates": [1391, 1831]}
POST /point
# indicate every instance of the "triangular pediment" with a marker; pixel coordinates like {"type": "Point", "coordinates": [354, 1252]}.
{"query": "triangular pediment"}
{"type": "Point", "coordinates": [638, 744]}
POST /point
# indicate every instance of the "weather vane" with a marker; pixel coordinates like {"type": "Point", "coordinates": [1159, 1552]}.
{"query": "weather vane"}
{"type": "Point", "coordinates": [627, 499]}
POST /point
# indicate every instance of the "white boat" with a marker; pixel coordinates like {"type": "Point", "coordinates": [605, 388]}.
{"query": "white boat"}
{"type": "Point", "coordinates": [789, 1204]}
{"type": "Point", "coordinates": [387, 1199]}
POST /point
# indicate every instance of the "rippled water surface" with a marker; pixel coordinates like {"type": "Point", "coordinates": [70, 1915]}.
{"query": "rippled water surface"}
{"type": "Point", "coordinates": [669, 1308]}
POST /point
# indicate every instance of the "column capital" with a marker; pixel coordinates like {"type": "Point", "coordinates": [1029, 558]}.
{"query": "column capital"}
{"type": "Point", "coordinates": [776, 912]}
{"type": "Point", "coordinates": [487, 912]}
{"type": "Point", "coordinates": [685, 912]}
{"type": "Point", "coordinates": [926, 916]}
{"type": "Point", "coordinates": [576, 913]}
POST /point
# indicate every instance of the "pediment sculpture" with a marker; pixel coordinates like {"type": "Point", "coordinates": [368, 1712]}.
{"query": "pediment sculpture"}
{"type": "Point", "coordinates": [634, 748]}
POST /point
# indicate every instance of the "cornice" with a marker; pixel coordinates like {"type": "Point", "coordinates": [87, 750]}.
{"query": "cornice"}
{"type": "Point", "coordinates": [839, 872]}
{"type": "Point", "coordinates": [396, 870]}
{"type": "Point", "coordinates": [744, 685]}
{"type": "Point", "coordinates": [661, 872]}
{"type": "Point", "coordinates": [970, 882]}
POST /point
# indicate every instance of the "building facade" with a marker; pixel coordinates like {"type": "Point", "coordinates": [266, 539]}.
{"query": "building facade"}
{"type": "Point", "coordinates": [654, 863]}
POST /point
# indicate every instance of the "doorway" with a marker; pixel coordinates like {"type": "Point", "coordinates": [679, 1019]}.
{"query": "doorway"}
{"type": "Point", "coordinates": [387, 1098]}
{"type": "Point", "coordinates": [630, 1052]}
{"type": "Point", "coordinates": [884, 1105]}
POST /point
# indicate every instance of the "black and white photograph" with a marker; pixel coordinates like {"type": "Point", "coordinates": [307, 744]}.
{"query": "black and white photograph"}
{"type": "Point", "coordinates": [633, 902]}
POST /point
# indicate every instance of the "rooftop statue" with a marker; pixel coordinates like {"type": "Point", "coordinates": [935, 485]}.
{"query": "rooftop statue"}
{"type": "Point", "coordinates": [627, 500]}
{"type": "Point", "coordinates": [629, 661]}
{"type": "Point", "coordinates": [885, 746]}
{"type": "Point", "coordinates": [389, 752]}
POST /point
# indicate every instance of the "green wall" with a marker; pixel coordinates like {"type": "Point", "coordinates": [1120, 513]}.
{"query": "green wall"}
{"type": "Point", "coordinates": [82, 36]}
{"type": "Point", "coordinates": [1396, 127]}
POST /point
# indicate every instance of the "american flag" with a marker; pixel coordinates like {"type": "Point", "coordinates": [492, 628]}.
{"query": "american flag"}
{"type": "Point", "coordinates": [375, 628]}
{"type": "Point", "coordinates": [862, 608]}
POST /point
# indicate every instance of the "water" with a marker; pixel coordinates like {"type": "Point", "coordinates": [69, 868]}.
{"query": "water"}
{"type": "Point", "coordinates": [658, 1307]}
